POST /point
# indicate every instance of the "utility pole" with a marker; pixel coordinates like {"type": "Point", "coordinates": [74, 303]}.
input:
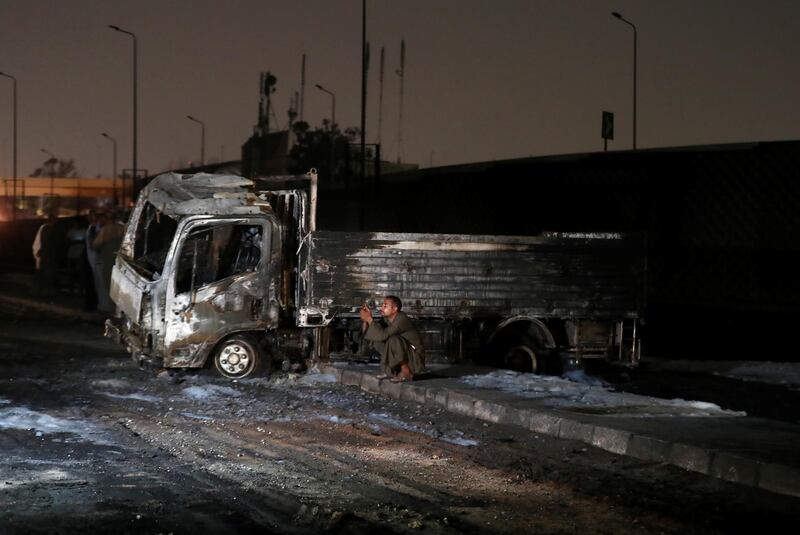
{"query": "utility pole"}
{"type": "Point", "coordinates": [380, 97]}
{"type": "Point", "coordinates": [294, 106]}
{"type": "Point", "coordinates": [14, 186]}
{"type": "Point", "coordinates": [302, 85]}
{"type": "Point", "coordinates": [401, 72]}
{"type": "Point", "coordinates": [333, 103]}
{"type": "Point", "coordinates": [363, 101]}
{"type": "Point", "coordinates": [114, 174]}
{"type": "Point", "coordinates": [135, 106]}
{"type": "Point", "coordinates": [267, 87]}
{"type": "Point", "coordinates": [202, 138]}
{"type": "Point", "coordinates": [52, 161]}
{"type": "Point", "coordinates": [633, 26]}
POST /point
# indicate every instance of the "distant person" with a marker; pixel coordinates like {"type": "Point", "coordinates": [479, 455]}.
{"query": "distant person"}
{"type": "Point", "coordinates": [36, 248]}
{"type": "Point", "coordinates": [91, 266]}
{"type": "Point", "coordinates": [397, 340]}
{"type": "Point", "coordinates": [45, 255]}
{"type": "Point", "coordinates": [106, 244]}
{"type": "Point", "coordinates": [75, 253]}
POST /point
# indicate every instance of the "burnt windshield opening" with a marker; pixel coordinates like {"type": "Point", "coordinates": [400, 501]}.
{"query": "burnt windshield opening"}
{"type": "Point", "coordinates": [212, 253]}
{"type": "Point", "coordinates": [154, 234]}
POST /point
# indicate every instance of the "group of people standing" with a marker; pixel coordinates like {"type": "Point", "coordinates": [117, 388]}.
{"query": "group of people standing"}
{"type": "Point", "coordinates": [98, 244]}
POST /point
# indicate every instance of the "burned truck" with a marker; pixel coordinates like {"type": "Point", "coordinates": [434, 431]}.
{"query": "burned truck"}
{"type": "Point", "coordinates": [223, 271]}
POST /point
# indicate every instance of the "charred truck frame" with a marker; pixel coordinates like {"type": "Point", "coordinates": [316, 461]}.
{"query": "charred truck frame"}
{"type": "Point", "coordinates": [233, 270]}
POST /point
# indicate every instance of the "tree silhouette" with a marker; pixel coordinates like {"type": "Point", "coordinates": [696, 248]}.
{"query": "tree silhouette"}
{"type": "Point", "coordinates": [56, 167]}
{"type": "Point", "coordinates": [326, 148]}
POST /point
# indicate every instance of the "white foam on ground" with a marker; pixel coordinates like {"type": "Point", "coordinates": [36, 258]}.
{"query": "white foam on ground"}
{"type": "Point", "coordinates": [210, 392]}
{"type": "Point", "coordinates": [334, 419]}
{"type": "Point", "coordinates": [196, 416]}
{"type": "Point", "coordinates": [111, 383]}
{"type": "Point", "coordinates": [41, 423]}
{"type": "Point", "coordinates": [458, 440]}
{"type": "Point", "coordinates": [309, 378]}
{"type": "Point", "coordinates": [591, 396]}
{"type": "Point", "coordinates": [455, 437]}
{"type": "Point", "coordinates": [316, 378]}
{"type": "Point", "coordinates": [38, 476]}
{"type": "Point", "coordinates": [137, 396]}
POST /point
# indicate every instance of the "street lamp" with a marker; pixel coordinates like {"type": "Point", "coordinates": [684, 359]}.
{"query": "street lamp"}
{"type": "Point", "coordinates": [53, 161]}
{"type": "Point", "coordinates": [14, 187]}
{"type": "Point", "coordinates": [364, 61]}
{"type": "Point", "coordinates": [135, 168]}
{"type": "Point", "coordinates": [202, 138]}
{"type": "Point", "coordinates": [626, 21]}
{"type": "Point", "coordinates": [114, 176]}
{"type": "Point", "coordinates": [333, 106]}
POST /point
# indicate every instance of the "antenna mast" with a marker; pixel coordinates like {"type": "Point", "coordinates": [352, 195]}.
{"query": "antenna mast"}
{"type": "Point", "coordinates": [261, 105]}
{"type": "Point", "coordinates": [302, 85]}
{"type": "Point", "coordinates": [269, 88]}
{"type": "Point", "coordinates": [380, 98]}
{"type": "Point", "coordinates": [401, 72]}
{"type": "Point", "coordinates": [294, 101]}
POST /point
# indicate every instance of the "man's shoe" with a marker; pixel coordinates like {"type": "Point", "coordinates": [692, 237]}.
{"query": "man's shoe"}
{"type": "Point", "coordinates": [402, 378]}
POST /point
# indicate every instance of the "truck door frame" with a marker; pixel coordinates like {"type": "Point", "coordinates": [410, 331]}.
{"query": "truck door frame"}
{"type": "Point", "coordinates": [196, 320]}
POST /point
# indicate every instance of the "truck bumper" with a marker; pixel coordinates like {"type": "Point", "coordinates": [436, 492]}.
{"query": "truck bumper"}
{"type": "Point", "coordinates": [121, 334]}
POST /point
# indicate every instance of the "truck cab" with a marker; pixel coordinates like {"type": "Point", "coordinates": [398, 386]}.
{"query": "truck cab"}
{"type": "Point", "coordinates": [200, 269]}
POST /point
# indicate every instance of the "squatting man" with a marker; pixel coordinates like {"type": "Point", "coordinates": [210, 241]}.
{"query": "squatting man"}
{"type": "Point", "coordinates": [396, 339]}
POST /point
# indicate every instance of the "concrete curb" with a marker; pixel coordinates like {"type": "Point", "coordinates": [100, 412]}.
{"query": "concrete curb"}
{"type": "Point", "coordinates": [714, 463]}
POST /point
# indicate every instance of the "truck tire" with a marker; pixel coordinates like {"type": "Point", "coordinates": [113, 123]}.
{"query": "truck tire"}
{"type": "Point", "coordinates": [522, 357]}
{"type": "Point", "coordinates": [239, 356]}
{"type": "Point", "coordinates": [523, 347]}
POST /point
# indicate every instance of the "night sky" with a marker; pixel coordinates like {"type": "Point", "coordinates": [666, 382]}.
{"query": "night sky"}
{"type": "Point", "coordinates": [484, 80]}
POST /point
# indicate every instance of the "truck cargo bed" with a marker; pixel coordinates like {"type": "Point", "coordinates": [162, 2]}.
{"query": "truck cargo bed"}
{"type": "Point", "coordinates": [588, 275]}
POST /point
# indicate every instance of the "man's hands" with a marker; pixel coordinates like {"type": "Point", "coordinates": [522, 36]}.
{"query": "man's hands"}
{"type": "Point", "coordinates": [366, 315]}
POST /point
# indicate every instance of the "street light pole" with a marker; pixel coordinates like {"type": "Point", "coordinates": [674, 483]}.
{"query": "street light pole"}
{"type": "Point", "coordinates": [626, 21]}
{"type": "Point", "coordinates": [14, 187]}
{"type": "Point", "coordinates": [333, 106]}
{"type": "Point", "coordinates": [363, 105]}
{"type": "Point", "coordinates": [114, 176]}
{"type": "Point", "coordinates": [54, 161]}
{"type": "Point", "coordinates": [202, 138]}
{"type": "Point", "coordinates": [135, 137]}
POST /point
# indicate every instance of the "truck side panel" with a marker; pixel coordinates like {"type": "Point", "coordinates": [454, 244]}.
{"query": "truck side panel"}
{"type": "Point", "coordinates": [565, 275]}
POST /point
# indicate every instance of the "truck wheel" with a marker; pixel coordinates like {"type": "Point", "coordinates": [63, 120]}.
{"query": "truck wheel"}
{"type": "Point", "coordinates": [522, 358]}
{"type": "Point", "coordinates": [238, 357]}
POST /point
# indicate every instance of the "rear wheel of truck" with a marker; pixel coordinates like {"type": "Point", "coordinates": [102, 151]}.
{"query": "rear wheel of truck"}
{"type": "Point", "coordinates": [239, 356]}
{"type": "Point", "coordinates": [523, 346]}
{"type": "Point", "coordinates": [522, 357]}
